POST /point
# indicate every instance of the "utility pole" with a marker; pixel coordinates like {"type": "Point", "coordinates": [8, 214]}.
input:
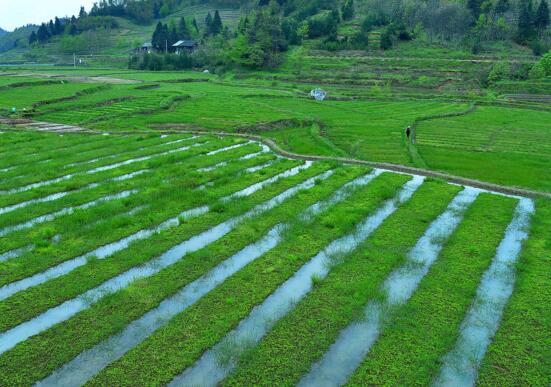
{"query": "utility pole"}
{"type": "Point", "coordinates": [74, 60]}
{"type": "Point", "coordinates": [166, 46]}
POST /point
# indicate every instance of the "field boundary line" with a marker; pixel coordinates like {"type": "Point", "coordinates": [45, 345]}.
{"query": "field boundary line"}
{"type": "Point", "coordinates": [385, 166]}
{"type": "Point", "coordinates": [496, 188]}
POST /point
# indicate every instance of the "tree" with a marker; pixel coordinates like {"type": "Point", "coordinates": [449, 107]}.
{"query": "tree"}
{"type": "Point", "coordinates": [262, 41]}
{"type": "Point", "coordinates": [386, 39]}
{"type": "Point", "coordinates": [195, 25]}
{"type": "Point", "coordinates": [33, 38]}
{"type": "Point", "coordinates": [43, 34]}
{"type": "Point", "coordinates": [541, 21]}
{"type": "Point", "coordinates": [525, 24]}
{"type": "Point", "coordinates": [72, 29]}
{"type": "Point", "coordinates": [82, 14]}
{"type": "Point", "coordinates": [475, 7]}
{"type": "Point", "coordinates": [51, 28]}
{"type": "Point", "coordinates": [183, 30]}
{"type": "Point", "coordinates": [348, 10]}
{"type": "Point", "coordinates": [546, 64]}
{"type": "Point", "coordinates": [216, 25]}
{"type": "Point", "coordinates": [208, 23]}
{"type": "Point", "coordinates": [501, 7]}
{"type": "Point", "coordinates": [164, 11]}
{"type": "Point", "coordinates": [173, 35]}
{"type": "Point", "coordinates": [160, 37]}
{"type": "Point", "coordinates": [58, 26]}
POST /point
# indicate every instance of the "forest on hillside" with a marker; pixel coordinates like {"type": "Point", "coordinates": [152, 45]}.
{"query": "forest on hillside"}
{"type": "Point", "coordinates": [268, 28]}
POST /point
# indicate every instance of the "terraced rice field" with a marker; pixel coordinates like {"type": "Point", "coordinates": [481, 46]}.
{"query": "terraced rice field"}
{"type": "Point", "coordinates": [202, 260]}
{"type": "Point", "coordinates": [506, 140]}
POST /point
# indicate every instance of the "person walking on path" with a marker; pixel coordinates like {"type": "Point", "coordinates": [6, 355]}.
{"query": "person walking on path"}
{"type": "Point", "coordinates": [408, 132]}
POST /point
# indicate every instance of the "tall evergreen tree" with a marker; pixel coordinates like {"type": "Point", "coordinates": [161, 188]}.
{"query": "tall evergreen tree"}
{"type": "Point", "coordinates": [160, 37]}
{"type": "Point", "coordinates": [82, 13]}
{"type": "Point", "coordinates": [348, 10]}
{"type": "Point", "coordinates": [525, 23]}
{"type": "Point", "coordinates": [502, 6]}
{"type": "Point", "coordinates": [33, 38]}
{"type": "Point", "coordinates": [541, 21]}
{"type": "Point", "coordinates": [51, 28]}
{"type": "Point", "coordinates": [43, 34]}
{"type": "Point", "coordinates": [216, 25]}
{"type": "Point", "coordinates": [208, 23]}
{"type": "Point", "coordinates": [475, 6]}
{"type": "Point", "coordinates": [173, 35]}
{"type": "Point", "coordinates": [195, 25]}
{"type": "Point", "coordinates": [58, 26]}
{"type": "Point", "coordinates": [183, 30]}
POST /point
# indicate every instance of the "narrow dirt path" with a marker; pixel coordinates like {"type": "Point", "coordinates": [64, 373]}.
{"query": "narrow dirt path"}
{"type": "Point", "coordinates": [496, 188]}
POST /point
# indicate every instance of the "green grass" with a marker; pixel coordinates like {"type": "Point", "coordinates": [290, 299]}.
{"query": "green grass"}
{"type": "Point", "coordinates": [183, 340]}
{"type": "Point", "coordinates": [372, 98]}
{"type": "Point", "coordinates": [520, 352]}
{"type": "Point", "coordinates": [86, 329]}
{"type": "Point", "coordinates": [300, 338]}
{"type": "Point", "coordinates": [304, 334]}
{"type": "Point", "coordinates": [512, 145]}
{"type": "Point", "coordinates": [25, 97]}
{"type": "Point", "coordinates": [412, 344]}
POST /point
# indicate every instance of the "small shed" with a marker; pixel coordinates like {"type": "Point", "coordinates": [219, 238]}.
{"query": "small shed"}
{"type": "Point", "coordinates": [188, 46]}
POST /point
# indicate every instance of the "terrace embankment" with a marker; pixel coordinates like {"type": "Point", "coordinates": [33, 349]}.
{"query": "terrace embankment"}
{"type": "Point", "coordinates": [179, 128]}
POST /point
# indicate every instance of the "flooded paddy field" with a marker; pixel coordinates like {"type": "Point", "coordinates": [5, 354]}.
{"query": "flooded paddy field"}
{"type": "Point", "coordinates": [172, 259]}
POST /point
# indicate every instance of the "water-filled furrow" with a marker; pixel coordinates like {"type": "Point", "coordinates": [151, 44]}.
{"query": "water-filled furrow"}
{"type": "Point", "coordinates": [460, 365]}
{"type": "Point", "coordinates": [216, 151]}
{"type": "Point", "coordinates": [144, 158]}
{"type": "Point", "coordinates": [265, 149]}
{"type": "Point", "coordinates": [63, 312]}
{"type": "Point", "coordinates": [96, 170]}
{"type": "Point", "coordinates": [65, 211]}
{"type": "Point", "coordinates": [355, 341]}
{"type": "Point", "coordinates": [92, 361]}
{"type": "Point", "coordinates": [15, 253]}
{"type": "Point", "coordinates": [258, 186]}
{"type": "Point", "coordinates": [59, 195]}
{"type": "Point", "coordinates": [217, 363]}
{"type": "Point", "coordinates": [114, 247]}
{"type": "Point", "coordinates": [225, 163]}
{"type": "Point", "coordinates": [213, 167]}
{"type": "Point", "coordinates": [259, 167]}
{"type": "Point", "coordinates": [28, 156]}
{"type": "Point", "coordinates": [95, 160]}
{"type": "Point", "coordinates": [90, 161]}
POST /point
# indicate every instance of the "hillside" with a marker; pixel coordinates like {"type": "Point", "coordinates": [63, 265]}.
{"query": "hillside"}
{"type": "Point", "coordinates": [111, 32]}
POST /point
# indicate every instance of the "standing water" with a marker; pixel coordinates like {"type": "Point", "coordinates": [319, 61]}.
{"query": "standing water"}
{"type": "Point", "coordinates": [96, 170]}
{"type": "Point", "coordinates": [65, 211]}
{"type": "Point", "coordinates": [482, 320]}
{"type": "Point", "coordinates": [90, 362]}
{"type": "Point", "coordinates": [355, 341]}
{"type": "Point", "coordinates": [63, 312]}
{"type": "Point", "coordinates": [217, 363]}
{"type": "Point", "coordinates": [60, 195]}
{"type": "Point", "coordinates": [108, 250]}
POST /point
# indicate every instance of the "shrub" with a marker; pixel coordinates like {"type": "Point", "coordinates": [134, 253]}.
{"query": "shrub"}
{"type": "Point", "coordinates": [537, 71]}
{"type": "Point", "coordinates": [500, 71]}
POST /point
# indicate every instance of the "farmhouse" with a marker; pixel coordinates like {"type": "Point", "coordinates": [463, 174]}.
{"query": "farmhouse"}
{"type": "Point", "coordinates": [188, 46]}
